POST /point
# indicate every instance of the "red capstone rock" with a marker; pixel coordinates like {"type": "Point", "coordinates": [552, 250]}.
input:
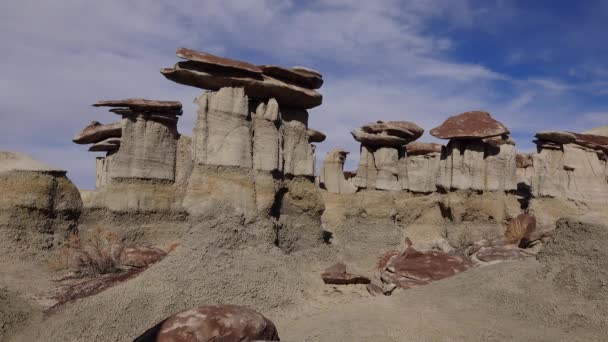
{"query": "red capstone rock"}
{"type": "Point", "coordinates": [218, 323]}
{"type": "Point", "coordinates": [174, 107]}
{"type": "Point", "coordinates": [595, 142]}
{"type": "Point", "coordinates": [300, 78]}
{"type": "Point", "coordinates": [96, 132]}
{"type": "Point", "coordinates": [470, 125]}
{"type": "Point", "coordinates": [422, 148]}
{"type": "Point", "coordinates": [217, 61]}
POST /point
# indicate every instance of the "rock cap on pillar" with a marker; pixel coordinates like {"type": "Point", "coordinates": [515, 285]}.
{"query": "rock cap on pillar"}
{"type": "Point", "coordinates": [422, 148]}
{"type": "Point", "coordinates": [96, 132]}
{"type": "Point", "coordinates": [144, 105]}
{"type": "Point", "coordinates": [315, 136]}
{"type": "Point", "coordinates": [290, 87]}
{"type": "Point", "coordinates": [470, 125]}
{"type": "Point", "coordinates": [388, 134]}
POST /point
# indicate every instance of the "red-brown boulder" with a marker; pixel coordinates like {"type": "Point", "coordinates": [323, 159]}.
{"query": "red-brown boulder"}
{"type": "Point", "coordinates": [218, 323]}
{"type": "Point", "coordinates": [595, 142]}
{"type": "Point", "coordinates": [337, 275]}
{"type": "Point", "coordinates": [388, 134]}
{"type": "Point", "coordinates": [214, 61]}
{"type": "Point", "coordinates": [469, 125]}
{"type": "Point", "coordinates": [288, 75]}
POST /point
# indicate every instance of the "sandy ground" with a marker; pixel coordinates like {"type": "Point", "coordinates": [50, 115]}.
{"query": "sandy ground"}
{"type": "Point", "coordinates": [561, 297]}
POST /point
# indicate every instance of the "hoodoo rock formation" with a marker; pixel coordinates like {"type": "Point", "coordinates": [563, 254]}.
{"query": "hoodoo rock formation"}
{"type": "Point", "coordinates": [422, 165]}
{"type": "Point", "coordinates": [382, 158]}
{"type": "Point", "coordinates": [470, 163]}
{"type": "Point", "coordinates": [332, 175]}
{"type": "Point", "coordinates": [571, 166]}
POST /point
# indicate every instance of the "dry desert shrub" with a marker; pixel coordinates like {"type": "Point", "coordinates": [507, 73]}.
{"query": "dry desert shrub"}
{"type": "Point", "coordinates": [520, 229]}
{"type": "Point", "coordinates": [92, 253]}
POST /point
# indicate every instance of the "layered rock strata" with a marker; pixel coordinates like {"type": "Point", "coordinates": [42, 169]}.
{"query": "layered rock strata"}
{"type": "Point", "coordinates": [479, 155]}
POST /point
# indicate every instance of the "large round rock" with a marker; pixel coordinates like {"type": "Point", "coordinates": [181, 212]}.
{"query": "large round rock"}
{"type": "Point", "coordinates": [218, 323]}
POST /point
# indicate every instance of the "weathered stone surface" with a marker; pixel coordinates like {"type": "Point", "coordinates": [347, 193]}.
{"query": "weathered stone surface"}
{"type": "Point", "coordinates": [386, 160]}
{"type": "Point", "coordinates": [547, 144]}
{"type": "Point", "coordinates": [298, 153]}
{"type": "Point", "coordinates": [366, 172]}
{"type": "Point", "coordinates": [102, 171]}
{"type": "Point", "coordinates": [337, 275]}
{"type": "Point", "coordinates": [501, 253]}
{"type": "Point", "coordinates": [499, 140]}
{"type": "Point", "coordinates": [421, 148]}
{"type": "Point", "coordinates": [422, 172]}
{"type": "Point", "coordinates": [222, 134]}
{"type": "Point", "coordinates": [315, 136]}
{"type": "Point", "coordinates": [388, 134]}
{"type": "Point", "coordinates": [595, 142]}
{"type": "Point", "coordinates": [524, 160]}
{"type": "Point", "coordinates": [559, 137]}
{"type": "Point", "coordinates": [470, 125]}
{"type": "Point", "coordinates": [107, 145]}
{"type": "Point", "coordinates": [332, 173]}
{"type": "Point", "coordinates": [601, 130]}
{"type": "Point", "coordinates": [307, 70]}
{"type": "Point", "coordinates": [303, 79]}
{"type": "Point", "coordinates": [148, 149]}
{"type": "Point", "coordinates": [96, 132]}
{"type": "Point", "coordinates": [472, 164]}
{"type": "Point", "coordinates": [573, 173]}
{"type": "Point", "coordinates": [183, 161]}
{"type": "Point", "coordinates": [213, 323]}
{"type": "Point", "coordinates": [520, 229]}
{"type": "Point", "coordinates": [140, 256]}
{"type": "Point", "coordinates": [214, 61]}
{"type": "Point", "coordinates": [39, 206]}
{"type": "Point", "coordinates": [144, 105]}
{"type": "Point", "coordinates": [263, 88]}
{"type": "Point", "coordinates": [266, 138]}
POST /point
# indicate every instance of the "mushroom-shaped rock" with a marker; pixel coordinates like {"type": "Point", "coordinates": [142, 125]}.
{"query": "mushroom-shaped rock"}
{"type": "Point", "coordinates": [388, 134]}
{"type": "Point", "coordinates": [217, 62]}
{"type": "Point", "coordinates": [304, 79]}
{"type": "Point", "coordinates": [107, 145]}
{"type": "Point", "coordinates": [469, 125]}
{"type": "Point", "coordinates": [559, 137]}
{"type": "Point", "coordinates": [199, 72]}
{"type": "Point", "coordinates": [213, 323]}
{"type": "Point", "coordinates": [315, 136]}
{"type": "Point", "coordinates": [144, 105]}
{"type": "Point", "coordinates": [337, 275]}
{"type": "Point", "coordinates": [332, 174]}
{"type": "Point", "coordinates": [422, 148]}
{"type": "Point", "coordinates": [96, 132]}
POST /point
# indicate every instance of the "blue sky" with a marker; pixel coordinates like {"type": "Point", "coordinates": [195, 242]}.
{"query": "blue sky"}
{"type": "Point", "coordinates": [534, 65]}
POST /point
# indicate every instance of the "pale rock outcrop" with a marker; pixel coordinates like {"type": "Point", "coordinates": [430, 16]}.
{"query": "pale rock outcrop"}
{"type": "Point", "coordinates": [525, 170]}
{"type": "Point", "coordinates": [573, 172]}
{"type": "Point", "coordinates": [39, 206]}
{"type": "Point", "coordinates": [183, 161]}
{"type": "Point", "coordinates": [469, 163]}
{"type": "Point", "coordinates": [332, 173]}
{"type": "Point", "coordinates": [107, 145]}
{"type": "Point", "coordinates": [386, 161]}
{"type": "Point", "coordinates": [601, 130]}
{"type": "Point", "coordinates": [422, 167]}
{"type": "Point", "coordinates": [102, 171]}
{"type": "Point", "coordinates": [266, 138]}
{"type": "Point", "coordinates": [298, 153]}
{"type": "Point", "coordinates": [222, 134]}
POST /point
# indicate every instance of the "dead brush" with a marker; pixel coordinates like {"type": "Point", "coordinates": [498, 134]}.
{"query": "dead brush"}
{"type": "Point", "coordinates": [94, 252]}
{"type": "Point", "coordinates": [520, 229]}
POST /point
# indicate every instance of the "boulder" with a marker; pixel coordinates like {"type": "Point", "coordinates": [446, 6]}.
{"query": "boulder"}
{"type": "Point", "coordinates": [217, 62]}
{"type": "Point", "coordinates": [140, 256]}
{"type": "Point", "coordinates": [213, 323]}
{"type": "Point", "coordinates": [261, 88]}
{"type": "Point", "coordinates": [303, 79]}
{"type": "Point", "coordinates": [96, 132]}
{"type": "Point", "coordinates": [315, 136]}
{"type": "Point", "coordinates": [469, 125]}
{"type": "Point", "coordinates": [107, 145]}
{"type": "Point", "coordinates": [388, 134]}
{"type": "Point", "coordinates": [421, 148]}
{"type": "Point", "coordinates": [332, 173]}
{"type": "Point", "coordinates": [558, 137]}
{"type": "Point", "coordinates": [337, 275]}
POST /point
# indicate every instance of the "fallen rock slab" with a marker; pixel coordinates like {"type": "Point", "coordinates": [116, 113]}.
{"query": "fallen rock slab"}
{"type": "Point", "coordinates": [96, 132]}
{"type": "Point", "coordinates": [213, 323]}
{"type": "Point", "coordinates": [469, 125]}
{"type": "Point", "coordinates": [337, 275]}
